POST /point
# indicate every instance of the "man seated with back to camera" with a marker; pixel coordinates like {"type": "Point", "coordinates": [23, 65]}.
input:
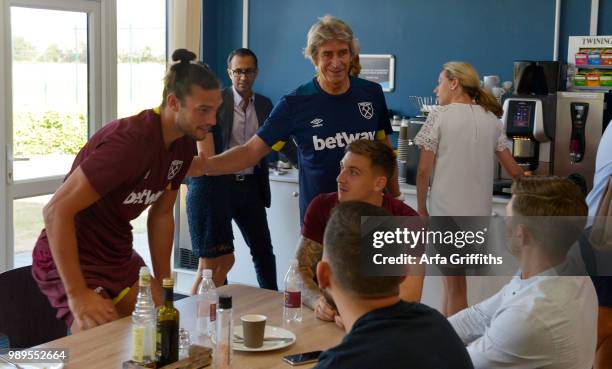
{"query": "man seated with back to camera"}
{"type": "Point", "coordinates": [366, 168]}
{"type": "Point", "coordinates": [382, 330]}
{"type": "Point", "coordinates": [546, 317]}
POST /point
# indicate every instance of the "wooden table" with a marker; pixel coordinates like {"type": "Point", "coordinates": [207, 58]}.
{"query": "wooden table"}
{"type": "Point", "coordinates": [108, 346]}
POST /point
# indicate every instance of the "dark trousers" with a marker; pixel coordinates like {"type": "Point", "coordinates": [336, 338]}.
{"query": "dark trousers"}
{"type": "Point", "coordinates": [249, 213]}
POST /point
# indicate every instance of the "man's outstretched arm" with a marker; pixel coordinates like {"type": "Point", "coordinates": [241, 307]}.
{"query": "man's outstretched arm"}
{"type": "Point", "coordinates": [230, 161]}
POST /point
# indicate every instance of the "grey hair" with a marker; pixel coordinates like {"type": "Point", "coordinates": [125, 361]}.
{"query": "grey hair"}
{"type": "Point", "coordinates": [329, 28]}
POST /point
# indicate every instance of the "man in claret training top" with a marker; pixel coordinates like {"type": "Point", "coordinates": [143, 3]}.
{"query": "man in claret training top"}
{"type": "Point", "coordinates": [365, 170]}
{"type": "Point", "coordinates": [84, 261]}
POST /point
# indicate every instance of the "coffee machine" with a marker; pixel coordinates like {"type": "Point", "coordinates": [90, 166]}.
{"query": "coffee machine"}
{"type": "Point", "coordinates": [524, 122]}
{"type": "Point", "coordinates": [580, 124]}
{"type": "Point", "coordinates": [529, 119]}
{"type": "Point", "coordinates": [552, 132]}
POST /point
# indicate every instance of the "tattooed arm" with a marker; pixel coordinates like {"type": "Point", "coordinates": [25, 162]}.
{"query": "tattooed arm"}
{"type": "Point", "coordinates": [308, 254]}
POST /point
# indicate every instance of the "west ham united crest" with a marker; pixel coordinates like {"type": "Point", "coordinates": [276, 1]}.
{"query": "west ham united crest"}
{"type": "Point", "coordinates": [175, 167]}
{"type": "Point", "coordinates": [366, 109]}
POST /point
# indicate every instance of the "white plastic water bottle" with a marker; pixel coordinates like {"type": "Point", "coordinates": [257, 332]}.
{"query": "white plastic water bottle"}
{"type": "Point", "coordinates": [207, 305]}
{"type": "Point", "coordinates": [292, 308]}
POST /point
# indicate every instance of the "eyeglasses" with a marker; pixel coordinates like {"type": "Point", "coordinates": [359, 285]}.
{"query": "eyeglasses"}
{"type": "Point", "coordinates": [243, 72]}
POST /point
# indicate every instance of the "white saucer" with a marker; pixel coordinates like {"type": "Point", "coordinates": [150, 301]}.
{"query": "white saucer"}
{"type": "Point", "coordinates": [271, 331]}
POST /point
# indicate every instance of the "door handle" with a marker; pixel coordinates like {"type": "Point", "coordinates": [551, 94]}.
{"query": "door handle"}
{"type": "Point", "coordinates": [9, 164]}
{"type": "Point", "coordinates": [295, 194]}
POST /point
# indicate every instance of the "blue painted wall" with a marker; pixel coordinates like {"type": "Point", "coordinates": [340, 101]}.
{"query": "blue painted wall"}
{"type": "Point", "coordinates": [222, 23]}
{"type": "Point", "coordinates": [422, 34]}
{"type": "Point", "coordinates": [575, 21]}
{"type": "Point", "coordinates": [604, 26]}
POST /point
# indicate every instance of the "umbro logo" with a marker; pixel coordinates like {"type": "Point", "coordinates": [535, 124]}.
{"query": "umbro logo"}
{"type": "Point", "coordinates": [317, 122]}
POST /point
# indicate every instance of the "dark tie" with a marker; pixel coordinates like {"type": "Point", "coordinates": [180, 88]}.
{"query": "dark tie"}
{"type": "Point", "coordinates": [244, 104]}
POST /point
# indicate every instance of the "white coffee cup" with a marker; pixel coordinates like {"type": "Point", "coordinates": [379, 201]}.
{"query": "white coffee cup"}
{"type": "Point", "coordinates": [497, 92]}
{"type": "Point", "coordinates": [491, 81]}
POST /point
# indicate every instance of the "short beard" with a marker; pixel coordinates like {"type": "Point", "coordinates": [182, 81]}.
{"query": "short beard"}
{"type": "Point", "coordinates": [194, 137]}
{"type": "Point", "coordinates": [182, 125]}
{"type": "Point", "coordinates": [207, 132]}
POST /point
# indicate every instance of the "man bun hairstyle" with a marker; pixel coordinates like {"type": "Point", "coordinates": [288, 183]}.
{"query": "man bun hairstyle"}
{"type": "Point", "coordinates": [185, 73]}
{"type": "Point", "coordinates": [183, 56]}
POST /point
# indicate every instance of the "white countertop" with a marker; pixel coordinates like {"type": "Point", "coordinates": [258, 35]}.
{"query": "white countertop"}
{"type": "Point", "coordinates": [292, 177]}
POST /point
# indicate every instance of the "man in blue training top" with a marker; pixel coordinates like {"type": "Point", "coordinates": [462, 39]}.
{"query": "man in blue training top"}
{"type": "Point", "coordinates": [323, 116]}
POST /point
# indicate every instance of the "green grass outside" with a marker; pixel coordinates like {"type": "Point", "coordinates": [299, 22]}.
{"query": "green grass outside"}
{"type": "Point", "coordinates": [28, 221]}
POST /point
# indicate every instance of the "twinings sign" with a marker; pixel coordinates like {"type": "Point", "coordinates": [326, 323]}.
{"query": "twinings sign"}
{"type": "Point", "coordinates": [605, 41]}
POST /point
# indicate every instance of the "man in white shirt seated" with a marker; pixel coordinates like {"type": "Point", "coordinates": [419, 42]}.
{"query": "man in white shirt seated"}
{"type": "Point", "coordinates": [539, 319]}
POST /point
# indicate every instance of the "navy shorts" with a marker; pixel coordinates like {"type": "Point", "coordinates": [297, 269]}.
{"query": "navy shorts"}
{"type": "Point", "coordinates": [209, 216]}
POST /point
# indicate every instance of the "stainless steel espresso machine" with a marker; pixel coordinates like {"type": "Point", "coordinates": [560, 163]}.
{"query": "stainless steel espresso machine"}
{"type": "Point", "coordinates": [552, 133]}
{"type": "Point", "coordinates": [529, 119]}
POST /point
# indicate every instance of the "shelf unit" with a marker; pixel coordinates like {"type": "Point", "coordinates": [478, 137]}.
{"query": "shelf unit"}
{"type": "Point", "coordinates": [592, 88]}
{"type": "Point", "coordinates": [591, 66]}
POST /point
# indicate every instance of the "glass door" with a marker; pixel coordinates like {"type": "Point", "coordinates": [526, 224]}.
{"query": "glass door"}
{"type": "Point", "coordinates": [51, 65]}
{"type": "Point", "coordinates": [141, 65]}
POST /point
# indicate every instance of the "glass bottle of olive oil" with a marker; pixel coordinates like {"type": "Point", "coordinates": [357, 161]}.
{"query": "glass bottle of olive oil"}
{"type": "Point", "coordinates": [167, 327]}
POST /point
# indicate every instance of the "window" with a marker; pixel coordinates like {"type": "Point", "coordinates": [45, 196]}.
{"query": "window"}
{"type": "Point", "coordinates": [141, 65]}
{"type": "Point", "coordinates": [141, 54]}
{"type": "Point", "coordinates": [51, 99]}
{"type": "Point", "coordinates": [28, 222]}
{"type": "Point", "coordinates": [50, 90]}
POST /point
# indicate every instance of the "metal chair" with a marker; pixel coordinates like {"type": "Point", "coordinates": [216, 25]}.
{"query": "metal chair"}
{"type": "Point", "coordinates": [26, 316]}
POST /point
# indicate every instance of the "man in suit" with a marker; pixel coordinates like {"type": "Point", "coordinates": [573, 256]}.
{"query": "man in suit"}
{"type": "Point", "coordinates": [212, 202]}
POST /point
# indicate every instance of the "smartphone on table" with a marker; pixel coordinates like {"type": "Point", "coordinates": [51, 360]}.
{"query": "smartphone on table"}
{"type": "Point", "coordinates": [303, 358]}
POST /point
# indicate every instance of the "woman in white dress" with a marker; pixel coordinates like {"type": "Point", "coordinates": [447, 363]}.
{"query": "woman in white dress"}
{"type": "Point", "coordinates": [458, 143]}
